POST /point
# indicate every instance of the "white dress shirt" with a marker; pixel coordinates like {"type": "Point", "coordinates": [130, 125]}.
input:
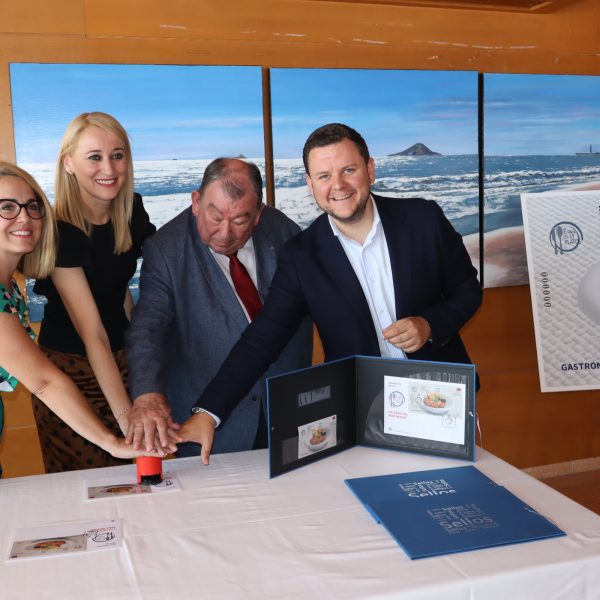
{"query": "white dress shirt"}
{"type": "Point", "coordinates": [371, 263]}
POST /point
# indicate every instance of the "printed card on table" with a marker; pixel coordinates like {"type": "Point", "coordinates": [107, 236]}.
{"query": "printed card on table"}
{"type": "Point", "coordinates": [65, 538]}
{"type": "Point", "coordinates": [433, 410]}
{"type": "Point", "coordinates": [123, 485]}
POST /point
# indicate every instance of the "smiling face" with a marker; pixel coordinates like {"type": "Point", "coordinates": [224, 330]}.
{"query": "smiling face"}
{"type": "Point", "coordinates": [340, 180]}
{"type": "Point", "coordinates": [18, 236]}
{"type": "Point", "coordinates": [225, 224]}
{"type": "Point", "coordinates": [99, 162]}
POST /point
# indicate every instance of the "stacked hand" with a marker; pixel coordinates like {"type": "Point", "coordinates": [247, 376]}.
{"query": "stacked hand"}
{"type": "Point", "coordinates": [119, 448]}
{"type": "Point", "coordinates": [150, 422]}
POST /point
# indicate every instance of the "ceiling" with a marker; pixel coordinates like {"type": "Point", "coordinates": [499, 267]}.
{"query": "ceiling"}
{"type": "Point", "coordinates": [522, 6]}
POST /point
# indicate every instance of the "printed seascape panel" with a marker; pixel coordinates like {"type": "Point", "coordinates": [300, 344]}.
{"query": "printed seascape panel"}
{"type": "Point", "coordinates": [179, 118]}
{"type": "Point", "coordinates": [420, 126]}
{"type": "Point", "coordinates": [542, 133]}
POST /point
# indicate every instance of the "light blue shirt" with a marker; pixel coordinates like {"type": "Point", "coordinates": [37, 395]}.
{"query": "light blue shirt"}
{"type": "Point", "coordinates": [371, 263]}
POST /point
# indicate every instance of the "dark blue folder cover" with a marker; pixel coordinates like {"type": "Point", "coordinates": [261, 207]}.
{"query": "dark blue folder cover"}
{"type": "Point", "coordinates": [449, 510]}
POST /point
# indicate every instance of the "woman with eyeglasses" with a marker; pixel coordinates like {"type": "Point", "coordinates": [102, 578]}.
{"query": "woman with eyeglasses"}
{"type": "Point", "coordinates": [102, 224]}
{"type": "Point", "coordinates": [27, 243]}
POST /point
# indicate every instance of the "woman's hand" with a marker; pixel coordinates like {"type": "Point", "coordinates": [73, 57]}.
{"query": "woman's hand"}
{"type": "Point", "coordinates": [20, 356]}
{"type": "Point", "coordinates": [119, 449]}
{"type": "Point", "coordinates": [77, 297]}
{"type": "Point", "coordinates": [123, 420]}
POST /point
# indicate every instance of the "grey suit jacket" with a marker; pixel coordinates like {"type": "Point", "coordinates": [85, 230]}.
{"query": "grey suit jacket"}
{"type": "Point", "coordinates": [188, 318]}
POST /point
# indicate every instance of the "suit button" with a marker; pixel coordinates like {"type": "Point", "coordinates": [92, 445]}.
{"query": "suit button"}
{"type": "Point", "coordinates": [254, 398]}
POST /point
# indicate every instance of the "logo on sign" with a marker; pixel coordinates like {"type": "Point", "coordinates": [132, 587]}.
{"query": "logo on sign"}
{"type": "Point", "coordinates": [565, 237]}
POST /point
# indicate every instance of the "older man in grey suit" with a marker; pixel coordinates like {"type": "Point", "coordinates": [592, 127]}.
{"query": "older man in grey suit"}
{"type": "Point", "coordinates": [191, 310]}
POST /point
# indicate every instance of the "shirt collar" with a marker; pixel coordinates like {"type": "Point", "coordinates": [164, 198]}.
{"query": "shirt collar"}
{"type": "Point", "coordinates": [372, 232]}
{"type": "Point", "coordinates": [247, 247]}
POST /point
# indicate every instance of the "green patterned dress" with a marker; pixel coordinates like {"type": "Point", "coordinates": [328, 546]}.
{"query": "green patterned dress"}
{"type": "Point", "coordinates": [12, 302]}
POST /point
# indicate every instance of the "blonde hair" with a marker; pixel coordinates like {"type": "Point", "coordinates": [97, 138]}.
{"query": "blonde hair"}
{"type": "Point", "coordinates": [39, 263]}
{"type": "Point", "coordinates": [67, 205]}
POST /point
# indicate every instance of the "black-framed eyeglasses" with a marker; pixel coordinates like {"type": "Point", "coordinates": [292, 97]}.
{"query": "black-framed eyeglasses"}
{"type": "Point", "coordinates": [11, 209]}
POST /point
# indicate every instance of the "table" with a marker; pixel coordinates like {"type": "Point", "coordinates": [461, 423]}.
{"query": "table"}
{"type": "Point", "coordinates": [233, 533]}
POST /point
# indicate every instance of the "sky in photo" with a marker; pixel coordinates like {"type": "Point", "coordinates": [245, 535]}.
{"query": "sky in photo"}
{"type": "Point", "coordinates": [169, 111]}
{"type": "Point", "coordinates": [391, 109]}
{"type": "Point", "coordinates": [207, 111]}
{"type": "Point", "coordinates": [541, 114]}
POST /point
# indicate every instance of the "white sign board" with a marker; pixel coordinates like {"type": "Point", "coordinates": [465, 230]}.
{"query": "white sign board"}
{"type": "Point", "coordinates": [562, 237]}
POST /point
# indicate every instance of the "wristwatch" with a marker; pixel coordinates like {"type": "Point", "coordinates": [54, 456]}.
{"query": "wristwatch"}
{"type": "Point", "coordinates": [196, 410]}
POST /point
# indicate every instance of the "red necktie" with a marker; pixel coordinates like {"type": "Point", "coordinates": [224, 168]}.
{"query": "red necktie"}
{"type": "Point", "coordinates": [244, 286]}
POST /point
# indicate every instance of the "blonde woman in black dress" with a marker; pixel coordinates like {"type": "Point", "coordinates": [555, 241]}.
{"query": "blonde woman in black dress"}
{"type": "Point", "coordinates": [102, 225]}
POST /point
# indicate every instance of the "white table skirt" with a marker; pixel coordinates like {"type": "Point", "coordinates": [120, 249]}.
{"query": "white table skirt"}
{"type": "Point", "coordinates": [234, 533]}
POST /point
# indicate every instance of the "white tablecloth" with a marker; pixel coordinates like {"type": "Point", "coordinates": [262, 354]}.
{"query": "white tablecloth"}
{"type": "Point", "coordinates": [234, 533]}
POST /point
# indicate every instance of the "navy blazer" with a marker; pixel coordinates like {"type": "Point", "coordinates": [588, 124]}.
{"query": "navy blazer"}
{"type": "Point", "coordinates": [433, 278]}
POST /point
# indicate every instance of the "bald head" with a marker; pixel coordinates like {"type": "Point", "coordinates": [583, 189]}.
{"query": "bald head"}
{"type": "Point", "coordinates": [237, 177]}
{"type": "Point", "coordinates": [228, 204]}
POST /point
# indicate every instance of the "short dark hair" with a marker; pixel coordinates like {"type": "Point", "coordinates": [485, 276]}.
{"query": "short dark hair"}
{"type": "Point", "coordinates": [334, 133]}
{"type": "Point", "coordinates": [224, 170]}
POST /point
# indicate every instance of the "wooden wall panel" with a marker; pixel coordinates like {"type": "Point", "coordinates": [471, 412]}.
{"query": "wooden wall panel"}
{"type": "Point", "coordinates": [64, 17]}
{"type": "Point", "coordinates": [7, 140]}
{"type": "Point", "coordinates": [304, 34]}
{"type": "Point", "coordinates": [519, 423]}
{"type": "Point", "coordinates": [17, 404]}
{"type": "Point", "coordinates": [20, 452]}
{"type": "Point", "coordinates": [305, 22]}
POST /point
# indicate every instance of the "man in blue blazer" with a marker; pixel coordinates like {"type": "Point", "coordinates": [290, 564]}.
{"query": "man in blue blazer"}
{"type": "Point", "coordinates": [189, 314]}
{"type": "Point", "coordinates": [379, 277]}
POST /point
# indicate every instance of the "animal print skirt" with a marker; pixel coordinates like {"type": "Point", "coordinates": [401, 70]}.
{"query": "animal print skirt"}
{"type": "Point", "coordinates": [62, 448]}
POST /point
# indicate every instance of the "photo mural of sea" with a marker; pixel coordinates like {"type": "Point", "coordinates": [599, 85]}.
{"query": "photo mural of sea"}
{"type": "Point", "coordinates": [172, 114]}
{"type": "Point", "coordinates": [166, 187]}
{"type": "Point", "coordinates": [420, 127]}
{"type": "Point", "coordinates": [539, 131]}
{"type": "Point", "coordinates": [506, 178]}
{"type": "Point", "coordinates": [540, 135]}
{"type": "Point", "coordinates": [452, 181]}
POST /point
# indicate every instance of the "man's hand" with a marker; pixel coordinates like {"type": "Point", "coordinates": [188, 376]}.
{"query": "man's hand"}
{"type": "Point", "coordinates": [200, 428]}
{"type": "Point", "coordinates": [409, 334]}
{"type": "Point", "coordinates": [150, 420]}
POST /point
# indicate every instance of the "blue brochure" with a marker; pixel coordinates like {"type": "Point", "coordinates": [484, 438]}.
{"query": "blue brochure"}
{"type": "Point", "coordinates": [449, 510]}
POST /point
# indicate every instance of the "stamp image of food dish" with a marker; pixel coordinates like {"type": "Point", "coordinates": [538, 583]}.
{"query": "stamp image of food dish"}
{"type": "Point", "coordinates": [318, 439]}
{"type": "Point", "coordinates": [56, 545]}
{"type": "Point", "coordinates": [49, 545]}
{"type": "Point", "coordinates": [435, 404]}
{"type": "Point", "coordinates": [120, 489]}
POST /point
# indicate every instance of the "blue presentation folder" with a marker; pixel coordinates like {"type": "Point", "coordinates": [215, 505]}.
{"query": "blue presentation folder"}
{"type": "Point", "coordinates": [449, 510]}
